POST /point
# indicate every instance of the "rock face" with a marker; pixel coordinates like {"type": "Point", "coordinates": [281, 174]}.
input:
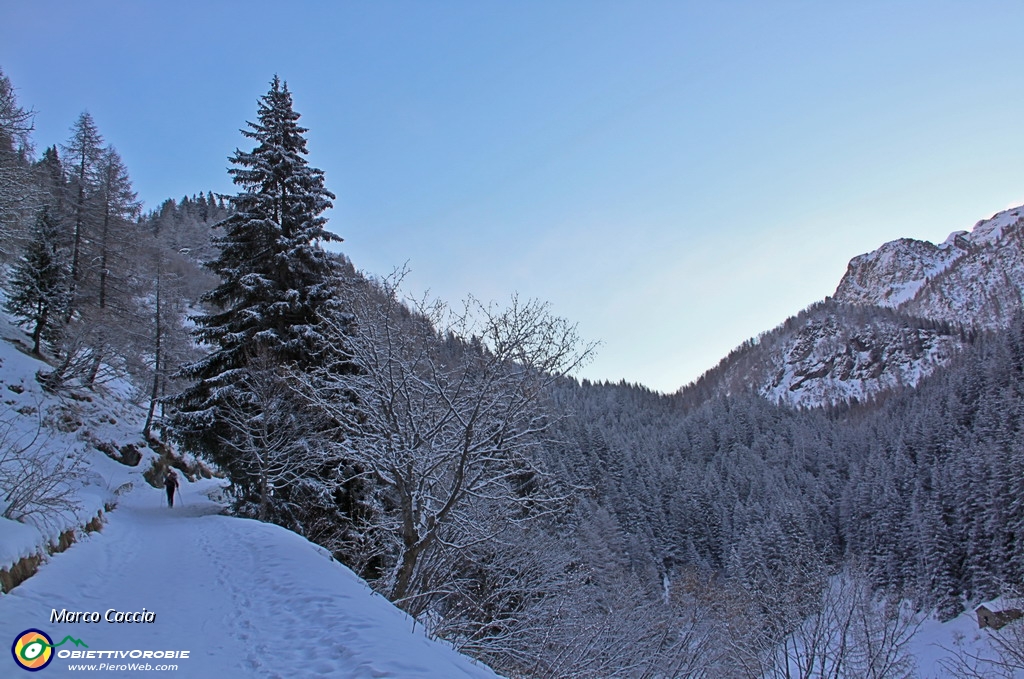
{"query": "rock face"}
{"type": "Point", "coordinates": [895, 272]}
{"type": "Point", "coordinates": [835, 353]}
{"type": "Point", "coordinates": [974, 279]}
{"type": "Point", "coordinates": [830, 361]}
{"type": "Point", "coordinates": [898, 314]}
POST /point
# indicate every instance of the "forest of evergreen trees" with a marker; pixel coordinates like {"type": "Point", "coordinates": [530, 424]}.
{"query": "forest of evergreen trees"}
{"type": "Point", "coordinates": [550, 527]}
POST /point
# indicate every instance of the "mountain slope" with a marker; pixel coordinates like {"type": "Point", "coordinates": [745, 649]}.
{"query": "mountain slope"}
{"type": "Point", "coordinates": [974, 278]}
{"type": "Point", "coordinates": [898, 314]}
{"type": "Point", "coordinates": [833, 353]}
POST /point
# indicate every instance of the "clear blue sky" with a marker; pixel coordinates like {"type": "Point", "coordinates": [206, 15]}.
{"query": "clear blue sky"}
{"type": "Point", "coordinates": [676, 177]}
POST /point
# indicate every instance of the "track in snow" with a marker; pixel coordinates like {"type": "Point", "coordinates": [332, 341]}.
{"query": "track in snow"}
{"type": "Point", "coordinates": [246, 599]}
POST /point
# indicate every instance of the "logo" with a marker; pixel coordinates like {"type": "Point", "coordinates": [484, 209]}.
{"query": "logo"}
{"type": "Point", "coordinates": [33, 649]}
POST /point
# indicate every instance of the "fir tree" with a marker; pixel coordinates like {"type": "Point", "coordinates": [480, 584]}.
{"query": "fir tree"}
{"type": "Point", "coordinates": [275, 280]}
{"type": "Point", "coordinates": [39, 285]}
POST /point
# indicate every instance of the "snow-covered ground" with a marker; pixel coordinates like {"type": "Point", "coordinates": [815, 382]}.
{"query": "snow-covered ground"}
{"type": "Point", "coordinates": [246, 599]}
{"type": "Point", "coordinates": [936, 646]}
{"type": "Point", "coordinates": [56, 431]}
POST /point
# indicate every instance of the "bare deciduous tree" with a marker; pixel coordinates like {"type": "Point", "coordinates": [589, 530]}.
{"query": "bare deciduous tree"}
{"type": "Point", "coordinates": [448, 407]}
{"type": "Point", "coordinates": [35, 480]}
{"type": "Point", "coordinates": [851, 634]}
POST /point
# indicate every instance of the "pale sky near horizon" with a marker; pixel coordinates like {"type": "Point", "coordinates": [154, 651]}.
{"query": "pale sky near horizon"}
{"type": "Point", "coordinates": [676, 177]}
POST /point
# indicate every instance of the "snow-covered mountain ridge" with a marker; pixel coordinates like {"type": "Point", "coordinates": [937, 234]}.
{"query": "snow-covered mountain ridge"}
{"type": "Point", "coordinates": [834, 353]}
{"type": "Point", "coordinates": [973, 278]}
{"type": "Point", "coordinates": [898, 314]}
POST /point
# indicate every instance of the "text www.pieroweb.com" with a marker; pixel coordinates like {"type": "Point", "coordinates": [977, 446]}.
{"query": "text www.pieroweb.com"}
{"type": "Point", "coordinates": [122, 667]}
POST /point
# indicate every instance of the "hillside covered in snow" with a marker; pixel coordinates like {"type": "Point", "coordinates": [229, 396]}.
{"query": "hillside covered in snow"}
{"type": "Point", "coordinates": [898, 314]}
{"type": "Point", "coordinates": [231, 597]}
{"type": "Point", "coordinates": [244, 598]}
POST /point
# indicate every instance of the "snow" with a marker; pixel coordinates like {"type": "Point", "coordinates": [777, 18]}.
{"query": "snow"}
{"type": "Point", "coordinates": [17, 540]}
{"type": "Point", "coordinates": [990, 231]}
{"type": "Point", "coordinates": [831, 358]}
{"type": "Point", "coordinates": [936, 644]}
{"type": "Point", "coordinates": [894, 274]}
{"type": "Point", "coordinates": [61, 429]}
{"type": "Point", "coordinates": [952, 238]}
{"type": "Point", "coordinates": [247, 599]}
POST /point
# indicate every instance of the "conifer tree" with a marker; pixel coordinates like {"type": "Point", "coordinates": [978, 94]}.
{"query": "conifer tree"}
{"type": "Point", "coordinates": [275, 280]}
{"type": "Point", "coordinates": [16, 192]}
{"type": "Point", "coordinates": [110, 261]}
{"type": "Point", "coordinates": [116, 237]}
{"type": "Point", "coordinates": [83, 154]}
{"type": "Point", "coordinates": [39, 285]}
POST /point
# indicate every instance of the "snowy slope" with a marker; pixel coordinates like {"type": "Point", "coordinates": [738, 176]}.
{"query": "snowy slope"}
{"type": "Point", "coordinates": [246, 599]}
{"type": "Point", "coordinates": [67, 429]}
{"type": "Point", "coordinates": [913, 298]}
{"type": "Point", "coordinates": [895, 272]}
{"type": "Point", "coordinates": [835, 358]}
{"type": "Point", "coordinates": [835, 353]}
{"type": "Point", "coordinates": [254, 600]}
{"type": "Point", "coordinates": [975, 278]}
{"type": "Point", "coordinates": [941, 649]}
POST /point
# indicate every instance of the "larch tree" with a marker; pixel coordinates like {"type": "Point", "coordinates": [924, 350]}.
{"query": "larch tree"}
{"type": "Point", "coordinates": [111, 260]}
{"type": "Point", "coordinates": [100, 214]}
{"type": "Point", "coordinates": [16, 196]}
{"type": "Point", "coordinates": [15, 121]}
{"type": "Point", "coordinates": [119, 207]}
{"type": "Point", "coordinates": [83, 154]}
{"type": "Point", "coordinates": [275, 280]}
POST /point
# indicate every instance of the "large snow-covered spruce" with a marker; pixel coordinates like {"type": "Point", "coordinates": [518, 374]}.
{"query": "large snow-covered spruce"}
{"type": "Point", "coordinates": [275, 278]}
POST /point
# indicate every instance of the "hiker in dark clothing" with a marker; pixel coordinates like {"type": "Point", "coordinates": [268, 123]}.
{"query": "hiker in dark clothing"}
{"type": "Point", "coordinates": [170, 485]}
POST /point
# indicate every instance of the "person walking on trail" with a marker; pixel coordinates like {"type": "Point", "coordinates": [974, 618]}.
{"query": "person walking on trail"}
{"type": "Point", "coordinates": [170, 485]}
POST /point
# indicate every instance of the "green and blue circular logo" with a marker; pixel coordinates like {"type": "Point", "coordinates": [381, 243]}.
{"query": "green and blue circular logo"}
{"type": "Point", "coordinates": [32, 650]}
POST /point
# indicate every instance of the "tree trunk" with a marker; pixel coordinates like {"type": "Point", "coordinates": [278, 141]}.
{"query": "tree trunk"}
{"type": "Point", "coordinates": [409, 558]}
{"type": "Point", "coordinates": [42, 314]}
{"type": "Point", "coordinates": [157, 346]}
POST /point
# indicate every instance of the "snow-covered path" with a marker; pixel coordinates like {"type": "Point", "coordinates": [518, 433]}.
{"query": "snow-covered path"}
{"type": "Point", "coordinates": [246, 599]}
